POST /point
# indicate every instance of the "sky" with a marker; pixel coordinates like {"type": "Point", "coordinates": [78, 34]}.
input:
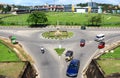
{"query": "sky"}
{"type": "Point", "coordinates": [42, 2]}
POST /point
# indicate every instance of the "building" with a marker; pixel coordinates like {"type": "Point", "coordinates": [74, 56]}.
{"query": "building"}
{"type": "Point", "coordinates": [50, 7]}
{"type": "Point", "coordinates": [100, 9]}
{"type": "Point", "coordinates": [92, 8]}
{"type": "Point", "coordinates": [81, 9]}
{"type": "Point", "coordinates": [67, 8]}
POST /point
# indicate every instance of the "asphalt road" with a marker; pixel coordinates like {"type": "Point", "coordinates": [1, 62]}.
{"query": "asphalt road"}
{"type": "Point", "coordinates": [49, 64]}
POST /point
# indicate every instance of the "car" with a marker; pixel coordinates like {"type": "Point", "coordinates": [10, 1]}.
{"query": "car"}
{"type": "Point", "coordinates": [73, 68]}
{"type": "Point", "coordinates": [69, 55]}
{"type": "Point", "coordinates": [83, 27]}
{"type": "Point", "coordinates": [100, 37]}
{"type": "Point", "coordinates": [101, 45]}
{"type": "Point", "coordinates": [82, 42]}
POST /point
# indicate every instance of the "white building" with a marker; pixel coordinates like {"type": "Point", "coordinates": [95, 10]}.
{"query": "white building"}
{"type": "Point", "coordinates": [92, 5]}
{"type": "Point", "coordinates": [81, 9]}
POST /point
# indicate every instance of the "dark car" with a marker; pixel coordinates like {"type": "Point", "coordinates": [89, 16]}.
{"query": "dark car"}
{"type": "Point", "coordinates": [73, 68]}
{"type": "Point", "coordinates": [69, 55]}
{"type": "Point", "coordinates": [82, 42]}
{"type": "Point", "coordinates": [83, 27]}
{"type": "Point", "coordinates": [101, 45]}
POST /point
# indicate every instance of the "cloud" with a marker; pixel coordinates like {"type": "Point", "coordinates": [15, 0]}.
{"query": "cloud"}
{"type": "Point", "coordinates": [85, 1]}
{"type": "Point", "coordinates": [71, 1]}
{"type": "Point", "coordinates": [17, 1]}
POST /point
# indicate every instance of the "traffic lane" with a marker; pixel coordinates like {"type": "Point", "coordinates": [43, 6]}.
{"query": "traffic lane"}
{"type": "Point", "coordinates": [47, 65]}
{"type": "Point", "coordinates": [5, 34]}
{"type": "Point", "coordinates": [81, 53]}
{"type": "Point", "coordinates": [84, 54]}
{"type": "Point", "coordinates": [112, 38]}
{"type": "Point", "coordinates": [64, 66]}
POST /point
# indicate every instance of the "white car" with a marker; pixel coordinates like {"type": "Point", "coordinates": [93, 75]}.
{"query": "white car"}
{"type": "Point", "coordinates": [100, 37]}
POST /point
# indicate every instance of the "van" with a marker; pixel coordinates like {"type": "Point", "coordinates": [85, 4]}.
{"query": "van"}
{"type": "Point", "coordinates": [100, 37]}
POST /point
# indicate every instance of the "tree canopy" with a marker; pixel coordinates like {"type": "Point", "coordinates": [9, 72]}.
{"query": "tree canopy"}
{"type": "Point", "coordinates": [95, 20]}
{"type": "Point", "coordinates": [37, 17]}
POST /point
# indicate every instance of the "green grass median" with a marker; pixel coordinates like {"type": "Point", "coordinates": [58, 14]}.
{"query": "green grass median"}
{"type": "Point", "coordinates": [59, 51]}
{"type": "Point", "coordinates": [7, 54]}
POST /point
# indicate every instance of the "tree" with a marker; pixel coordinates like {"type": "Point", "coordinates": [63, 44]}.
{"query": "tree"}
{"type": "Point", "coordinates": [98, 19]}
{"type": "Point", "coordinates": [37, 17]}
{"type": "Point", "coordinates": [6, 8]}
{"type": "Point", "coordinates": [95, 20]}
{"type": "Point", "coordinates": [1, 7]}
{"type": "Point", "coordinates": [91, 20]}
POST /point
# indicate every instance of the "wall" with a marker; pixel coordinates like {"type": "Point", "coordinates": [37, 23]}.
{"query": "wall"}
{"type": "Point", "coordinates": [93, 71]}
{"type": "Point", "coordinates": [29, 71]}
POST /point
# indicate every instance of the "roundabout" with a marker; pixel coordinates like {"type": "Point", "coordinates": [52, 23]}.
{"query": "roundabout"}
{"type": "Point", "coordinates": [57, 34]}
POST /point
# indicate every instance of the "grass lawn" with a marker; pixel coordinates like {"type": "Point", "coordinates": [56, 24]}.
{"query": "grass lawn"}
{"type": "Point", "coordinates": [11, 69]}
{"type": "Point", "coordinates": [109, 66]}
{"type": "Point", "coordinates": [110, 62]}
{"type": "Point", "coordinates": [66, 18]}
{"type": "Point", "coordinates": [59, 51]}
{"type": "Point", "coordinates": [115, 54]}
{"type": "Point", "coordinates": [6, 54]}
{"type": "Point", "coordinates": [16, 20]}
{"type": "Point", "coordinates": [4, 15]}
{"type": "Point", "coordinates": [63, 18]}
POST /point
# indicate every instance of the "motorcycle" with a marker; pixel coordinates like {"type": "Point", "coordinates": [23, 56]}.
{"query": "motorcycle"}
{"type": "Point", "coordinates": [42, 50]}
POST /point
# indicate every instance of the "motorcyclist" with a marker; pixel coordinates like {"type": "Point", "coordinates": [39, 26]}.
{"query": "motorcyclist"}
{"type": "Point", "coordinates": [42, 50]}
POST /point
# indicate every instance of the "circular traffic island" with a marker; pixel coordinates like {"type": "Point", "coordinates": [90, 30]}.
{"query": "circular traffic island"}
{"type": "Point", "coordinates": [57, 34]}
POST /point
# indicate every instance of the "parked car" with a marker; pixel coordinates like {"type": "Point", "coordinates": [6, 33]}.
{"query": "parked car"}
{"type": "Point", "coordinates": [100, 37]}
{"type": "Point", "coordinates": [69, 55]}
{"type": "Point", "coordinates": [101, 45]}
{"type": "Point", "coordinates": [73, 68]}
{"type": "Point", "coordinates": [82, 42]}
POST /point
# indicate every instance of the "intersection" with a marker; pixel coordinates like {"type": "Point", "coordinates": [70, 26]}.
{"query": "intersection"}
{"type": "Point", "coordinates": [50, 65]}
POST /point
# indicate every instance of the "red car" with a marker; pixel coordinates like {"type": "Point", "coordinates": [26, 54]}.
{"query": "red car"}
{"type": "Point", "coordinates": [82, 42]}
{"type": "Point", "coordinates": [101, 45]}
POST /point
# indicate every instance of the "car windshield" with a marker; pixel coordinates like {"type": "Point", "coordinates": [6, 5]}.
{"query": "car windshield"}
{"type": "Point", "coordinates": [69, 53]}
{"type": "Point", "coordinates": [102, 42]}
{"type": "Point", "coordinates": [99, 36]}
{"type": "Point", "coordinates": [73, 65]}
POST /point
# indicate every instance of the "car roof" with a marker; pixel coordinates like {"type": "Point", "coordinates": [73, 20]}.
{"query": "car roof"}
{"type": "Point", "coordinates": [102, 43]}
{"type": "Point", "coordinates": [82, 40]}
{"type": "Point", "coordinates": [101, 35]}
{"type": "Point", "coordinates": [69, 52]}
